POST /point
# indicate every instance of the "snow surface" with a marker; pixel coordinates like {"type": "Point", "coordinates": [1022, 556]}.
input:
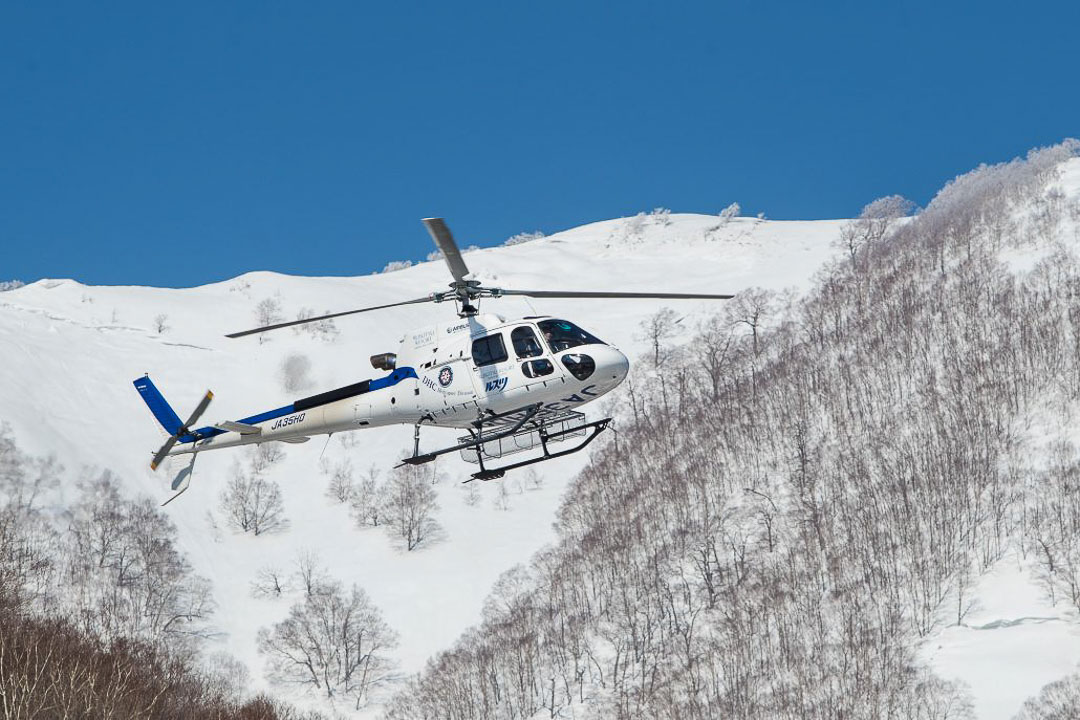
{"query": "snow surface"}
{"type": "Point", "coordinates": [73, 351]}
{"type": "Point", "coordinates": [1011, 644]}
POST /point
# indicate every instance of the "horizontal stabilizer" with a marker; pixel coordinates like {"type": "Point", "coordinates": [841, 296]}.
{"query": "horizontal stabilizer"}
{"type": "Point", "coordinates": [295, 440]}
{"type": "Point", "coordinates": [238, 427]}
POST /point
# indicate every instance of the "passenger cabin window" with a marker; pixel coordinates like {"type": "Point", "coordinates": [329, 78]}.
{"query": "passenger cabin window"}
{"type": "Point", "coordinates": [489, 350]}
{"type": "Point", "coordinates": [562, 335]}
{"type": "Point", "coordinates": [525, 343]}
{"type": "Point", "coordinates": [537, 368]}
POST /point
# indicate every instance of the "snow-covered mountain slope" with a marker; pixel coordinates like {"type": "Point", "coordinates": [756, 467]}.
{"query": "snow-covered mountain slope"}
{"type": "Point", "coordinates": [793, 634]}
{"type": "Point", "coordinates": [1014, 641]}
{"type": "Point", "coordinates": [72, 351]}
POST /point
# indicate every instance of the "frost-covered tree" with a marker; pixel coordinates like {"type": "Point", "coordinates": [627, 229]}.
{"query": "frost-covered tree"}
{"type": "Point", "coordinates": [395, 265]}
{"type": "Point", "coordinates": [873, 223]}
{"type": "Point", "coordinates": [661, 216]}
{"type": "Point", "coordinates": [267, 312]}
{"type": "Point", "coordinates": [322, 329]}
{"type": "Point", "coordinates": [523, 238]}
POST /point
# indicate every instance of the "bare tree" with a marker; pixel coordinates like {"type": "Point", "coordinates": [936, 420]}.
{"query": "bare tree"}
{"type": "Point", "coordinates": [752, 307]}
{"type": "Point", "coordinates": [779, 548]}
{"type": "Point", "coordinates": [1059, 700]}
{"type": "Point", "coordinates": [331, 641]}
{"type": "Point", "coordinates": [657, 331]}
{"type": "Point", "coordinates": [253, 503]}
{"type": "Point", "coordinates": [161, 321]}
{"type": "Point", "coordinates": [125, 576]}
{"type": "Point", "coordinates": [341, 487]}
{"type": "Point", "coordinates": [533, 479]}
{"type": "Point", "coordinates": [368, 499]}
{"type": "Point", "coordinates": [269, 581]}
{"type": "Point", "coordinates": [263, 455]}
{"type": "Point", "coordinates": [501, 501]}
{"type": "Point", "coordinates": [409, 505]}
{"type": "Point", "coordinates": [472, 495]}
{"type": "Point", "coordinates": [309, 572]}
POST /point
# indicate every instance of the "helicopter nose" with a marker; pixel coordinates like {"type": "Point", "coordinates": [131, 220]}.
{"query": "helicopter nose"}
{"type": "Point", "coordinates": [611, 365]}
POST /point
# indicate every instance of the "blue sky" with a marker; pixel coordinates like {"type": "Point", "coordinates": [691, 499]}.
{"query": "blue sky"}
{"type": "Point", "coordinates": [178, 146]}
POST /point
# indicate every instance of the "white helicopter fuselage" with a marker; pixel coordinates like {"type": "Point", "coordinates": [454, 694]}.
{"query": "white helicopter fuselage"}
{"type": "Point", "coordinates": [445, 375]}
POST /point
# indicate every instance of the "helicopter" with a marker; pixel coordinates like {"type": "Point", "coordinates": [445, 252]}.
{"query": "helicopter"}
{"type": "Point", "coordinates": [513, 385]}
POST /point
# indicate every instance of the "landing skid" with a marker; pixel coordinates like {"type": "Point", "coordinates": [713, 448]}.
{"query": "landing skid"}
{"type": "Point", "coordinates": [418, 459]}
{"type": "Point", "coordinates": [594, 428]}
{"type": "Point", "coordinates": [513, 426]}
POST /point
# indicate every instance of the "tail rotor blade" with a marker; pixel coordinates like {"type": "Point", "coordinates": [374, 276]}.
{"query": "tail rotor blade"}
{"type": "Point", "coordinates": [182, 430]}
{"type": "Point", "coordinates": [199, 410]}
{"type": "Point", "coordinates": [160, 454]}
{"type": "Point", "coordinates": [440, 233]}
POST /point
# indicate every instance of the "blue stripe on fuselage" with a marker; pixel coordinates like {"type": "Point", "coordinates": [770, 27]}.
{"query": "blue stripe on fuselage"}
{"type": "Point", "coordinates": [392, 379]}
{"type": "Point", "coordinates": [208, 432]}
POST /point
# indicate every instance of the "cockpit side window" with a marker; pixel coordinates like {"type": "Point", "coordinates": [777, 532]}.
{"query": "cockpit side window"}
{"type": "Point", "coordinates": [489, 350]}
{"type": "Point", "coordinates": [562, 335]}
{"type": "Point", "coordinates": [525, 343]}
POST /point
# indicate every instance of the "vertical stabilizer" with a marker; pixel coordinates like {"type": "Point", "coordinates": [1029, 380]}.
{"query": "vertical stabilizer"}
{"type": "Point", "coordinates": [157, 404]}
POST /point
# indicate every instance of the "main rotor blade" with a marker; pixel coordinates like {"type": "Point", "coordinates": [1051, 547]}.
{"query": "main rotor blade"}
{"type": "Point", "coordinates": [160, 454]}
{"type": "Point", "coordinates": [445, 242]}
{"type": "Point", "coordinates": [327, 317]}
{"type": "Point", "coordinates": [199, 409]}
{"type": "Point", "coordinates": [630, 295]}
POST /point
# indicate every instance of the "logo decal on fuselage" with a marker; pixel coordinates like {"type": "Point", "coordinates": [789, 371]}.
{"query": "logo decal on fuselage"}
{"type": "Point", "coordinates": [287, 421]}
{"type": "Point", "coordinates": [423, 338]}
{"type": "Point", "coordinates": [496, 385]}
{"type": "Point", "coordinates": [446, 376]}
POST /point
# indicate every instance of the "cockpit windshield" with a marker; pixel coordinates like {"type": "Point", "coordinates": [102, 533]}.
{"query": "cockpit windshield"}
{"type": "Point", "coordinates": [562, 335]}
